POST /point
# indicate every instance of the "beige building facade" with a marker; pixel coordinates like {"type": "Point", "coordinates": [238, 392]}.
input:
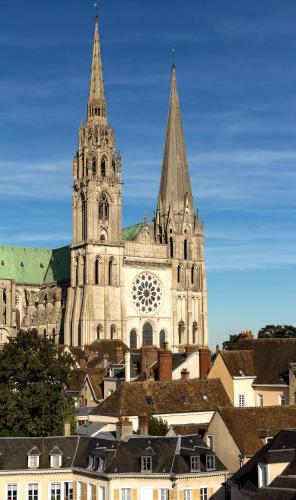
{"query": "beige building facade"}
{"type": "Point", "coordinates": [145, 284]}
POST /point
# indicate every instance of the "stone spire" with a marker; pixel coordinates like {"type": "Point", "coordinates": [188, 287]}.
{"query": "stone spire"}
{"type": "Point", "coordinates": [96, 99]}
{"type": "Point", "coordinates": [175, 190]}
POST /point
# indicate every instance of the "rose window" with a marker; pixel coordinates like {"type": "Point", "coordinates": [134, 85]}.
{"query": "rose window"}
{"type": "Point", "coordinates": [146, 293]}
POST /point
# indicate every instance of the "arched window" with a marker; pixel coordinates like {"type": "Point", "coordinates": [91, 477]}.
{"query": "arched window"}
{"type": "Point", "coordinates": [133, 339]}
{"type": "Point", "coordinates": [97, 272]}
{"type": "Point", "coordinates": [192, 275]}
{"type": "Point", "coordinates": [112, 332]}
{"type": "Point", "coordinates": [111, 272]}
{"type": "Point", "coordinates": [94, 166]}
{"type": "Point", "coordinates": [147, 334]}
{"type": "Point", "coordinates": [4, 296]}
{"type": "Point", "coordinates": [99, 332]}
{"type": "Point", "coordinates": [181, 328]}
{"type": "Point", "coordinates": [162, 338]}
{"type": "Point", "coordinates": [103, 166]}
{"type": "Point", "coordinates": [104, 207]}
{"type": "Point", "coordinates": [179, 273]}
{"type": "Point", "coordinates": [185, 249]}
{"type": "Point", "coordinates": [171, 248]}
{"type": "Point", "coordinates": [194, 332]}
{"type": "Point", "coordinates": [84, 220]}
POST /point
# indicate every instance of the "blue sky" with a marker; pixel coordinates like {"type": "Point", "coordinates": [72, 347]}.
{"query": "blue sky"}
{"type": "Point", "coordinates": [236, 70]}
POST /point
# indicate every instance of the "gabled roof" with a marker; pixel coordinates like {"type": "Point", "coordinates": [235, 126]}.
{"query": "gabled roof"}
{"type": "Point", "coordinates": [239, 363]}
{"type": "Point", "coordinates": [159, 397]}
{"type": "Point", "coordinates": [131, 232]}
{"type": "Point", "coordinates": [271, 358]}
{"type": "Point", "coordinates": [248, 426]}
{"type": "Point", "coordinates": [78, 376]}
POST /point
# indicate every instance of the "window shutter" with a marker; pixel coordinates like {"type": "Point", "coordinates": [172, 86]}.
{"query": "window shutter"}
{"type": "Point", "coordinates": [134, 494]}
{"type": "Point", "coordinates": [195, 494]}
{"type": "Point", "coordinates": [116, 494]}
{"type": "Point", "coordinates": [155, 494]}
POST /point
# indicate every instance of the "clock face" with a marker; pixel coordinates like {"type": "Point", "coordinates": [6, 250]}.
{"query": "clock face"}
{"type": "Point", "coordinates": [146, 293]}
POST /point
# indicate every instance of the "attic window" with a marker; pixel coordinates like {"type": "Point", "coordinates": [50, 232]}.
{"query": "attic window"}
{"type": "Point", "coordinates": [149, 400]}
{"type": "Point", "coordinates": [210, 462]}
{"type": "Point", "coordinates": [91, 462]}
{"type": "Point", "coordinates": [33, 461]}
{"type": "Point", "coordinates": [205, 397]}
{"type": "Point", "coordinates": [195, 463]}
{"type": "Point", "coordinates": [101, 464]}
{"type": "Point", "coordinates": [185, 399]}
{"type": "Point", "coordinates": [55, 458]}
{"type": "Point", "coordinates": [146, 464]}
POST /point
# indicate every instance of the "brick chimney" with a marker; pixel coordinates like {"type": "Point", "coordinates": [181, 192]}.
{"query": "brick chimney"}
{"type": "Point", "coordinates": [185, 374]}
{"type": "Point", "coordinates": [149, 354]}
{"type": "Point", "coordinates": [143, 425]}
{"type": "Point", "coordinates": [118, 355]}
{"type": "Point", "coordinates": [165, 363]}
{"type": "Point", "coordinates": [124, 429]}
{"type": "Point", "coordinates": [67, 429]}
{"type": "Point", "coordinates": [204, 362]}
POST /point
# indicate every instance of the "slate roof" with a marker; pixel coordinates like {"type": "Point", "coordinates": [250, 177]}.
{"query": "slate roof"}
{"type": "Point", "coordinates": [281, 449]}
{"type": "Point", "coordinates": [248, 426]}
{"type": "Point", "coordinates": [77, 378]}
{"type": "Point", "coordinates": [271, 358]}
{"type": "Point", "coordinates": [90, 428]}
{"type": "Point", "coordinates": [158, 397]}
{"type": "Point", "coordinates": [169, 454]}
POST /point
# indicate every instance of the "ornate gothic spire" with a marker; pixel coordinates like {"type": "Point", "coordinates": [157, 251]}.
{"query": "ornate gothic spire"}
{"type": "Point", "coordinates": [96, 99]}
{"type": "Point", "coordinates": [175, 189]}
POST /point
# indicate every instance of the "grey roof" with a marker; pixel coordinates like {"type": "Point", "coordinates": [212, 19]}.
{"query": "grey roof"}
{"type": "Point", "coordinates": [175, 180]}
{"type": "Point", "coordinates": [83, 411]}
{"type": "Point", "coordinates": [89, 428]}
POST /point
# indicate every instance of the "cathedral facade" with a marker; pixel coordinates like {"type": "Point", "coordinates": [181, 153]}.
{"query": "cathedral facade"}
{"type": "Point", "coordinates": [145, 284]}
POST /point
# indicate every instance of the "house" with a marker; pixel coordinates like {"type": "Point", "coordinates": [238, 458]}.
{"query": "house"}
{"type": "Point", "coordinates": [176, 401]}
{"type": "Point", "coordinates": [269, 474]}
{"type": "Point", "coordinates": [237, 434]}
{"type": "Point", "coordinates": [85, 386]}
{"type": "Point", "coordinates": [128, 467]}
{"type": "Point", "coordinates": [259, 372]}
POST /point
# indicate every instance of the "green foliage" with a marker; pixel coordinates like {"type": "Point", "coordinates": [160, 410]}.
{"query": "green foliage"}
{"type": "Point", "coordinates": [232, 342]}
{"type": "Point", "coordinates": [157, 426]}
{"type": "Point", "coordinates": [33, 375]}
{"type": "Point", "coordinates": [277, 331]}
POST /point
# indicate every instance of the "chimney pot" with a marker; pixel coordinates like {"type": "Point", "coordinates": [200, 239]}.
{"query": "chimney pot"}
{"type": "Point", "coordinates": [143, 425]}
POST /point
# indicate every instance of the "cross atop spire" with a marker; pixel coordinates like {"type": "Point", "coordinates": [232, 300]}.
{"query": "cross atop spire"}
{"type": "Point", "coordinates": [96, 99]}
{"type": "Point", "coordinates": [175, 189]}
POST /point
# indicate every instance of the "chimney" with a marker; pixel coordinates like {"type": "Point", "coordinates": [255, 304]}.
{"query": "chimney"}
{"type": "Point", "coordinates": [204, 362]}
{"type": "Point", "coordinates": [246, 334]}
{"type": "Point", "coordinates": [149, 354]}
{"type": "Point", "coordinates": [124, 429]}
{"type": "Point", "coordinates": [143, 425]}
{"type": "Point", "coordinates": [118, 355]}
{"type": "Point", "coordinates": [127, 368]}
{"type": "Point", "coordinates": [67, 429]}
{"type": "Point", "coordinates": [165, 361]}
{"type": "Point", "coordinates": [185, 374]}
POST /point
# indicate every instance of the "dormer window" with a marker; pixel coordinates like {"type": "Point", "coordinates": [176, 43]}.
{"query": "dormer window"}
{"type": "Point", "coordinates": [55, 458]}
{"type": "Point", "coordinates": [210, 462]}
{"type": "Point", "coordinates": [33, 458]}
{"type": "Point", "coordinates": [262, 475]}
{"type": "Point", "coordinates": [91, 462]}
{"type": "Point", "coordinates": [149, 400]}
{"type": "Point", "coordinates": [195, 463]}
{"type": "Point", "coordinates": [146, 464]}
{"type": "Point", "coordinates": [101, 464]}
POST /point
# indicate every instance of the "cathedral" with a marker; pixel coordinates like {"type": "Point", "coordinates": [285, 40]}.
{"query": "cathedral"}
{"type": "Point", "coordinates": [144, 284]}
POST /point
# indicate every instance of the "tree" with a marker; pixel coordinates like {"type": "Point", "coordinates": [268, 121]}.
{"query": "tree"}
{"type": "Point", "coordinates": [157, 426]}
{"type": "Point", "coordinates": [233, 339]}
{"type": "Point", "coordinates": [277, 331]}
{"type": "Point", "coordinates": [33, 376]}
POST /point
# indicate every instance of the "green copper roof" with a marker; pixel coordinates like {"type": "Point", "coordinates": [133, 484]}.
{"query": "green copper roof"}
{"type": "Point", "coordinates": [34, 265]}
{"type": "Point", "coordinates": [130, 233]}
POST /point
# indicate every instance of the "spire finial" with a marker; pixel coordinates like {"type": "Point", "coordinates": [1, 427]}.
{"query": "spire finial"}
{"type": "Point", "coordinates": [97, 9]}
{"type": "Point", "coordinates": [145, 218]}
{"type": "Point", "coordinates": [173, 57]}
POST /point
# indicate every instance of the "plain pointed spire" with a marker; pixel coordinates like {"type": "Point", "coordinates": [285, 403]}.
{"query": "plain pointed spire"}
{"type": "Point", "coordinates": [96, 99]}
{"type": "Point", "coordinates": [175, 188]}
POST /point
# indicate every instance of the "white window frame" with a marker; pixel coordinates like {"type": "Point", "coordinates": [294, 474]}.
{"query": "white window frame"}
{"type": "Point", "coordinates": [50, 486]}
{"type": "Point", "coordinates": [187, 494]}
{"type": "Point", "coordinates": [52, 458]}
{"type": "Point", "coordinates": [30, 459]}
{"type": "Point", "coordinates": [260, 400]}
{"type": "Point", "coordinates": [241, 400]}
{"type": "Point", "coordinates": [102, 493]}
{"type": "Point", "coordinates": [204, 495]}
{"type": "Point", "coordinates": [146, 464]}
{"type": "Point", "coordinates": [164, 494]}
{"type": "Point", "coordinates": [195, 458]}
{"type": "Point", "coordinates": [79, 490]}
{"type": "Point", "coordinates": [63, 491]}
{"type": "Point", "coordinates": [125, 494]}
{"type": "Point", "coordinates": [260, 475]}
{"type": "Point", "coordinates": [17, 490]}
{"type": "Point", "coordinates": [282, 400]}
{"type": "Point", "coordinates": [213, 460]}
{"type": "Point", "coordinates": [90, 491]}
{"type": "Point", "coordinates": [38, 489]}
{"type": "Point", "coordinates": [210, 441]}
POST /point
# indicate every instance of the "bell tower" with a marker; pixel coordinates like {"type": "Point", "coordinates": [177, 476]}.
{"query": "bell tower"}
{"type": "Point", "coordinates": [96, 218]}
